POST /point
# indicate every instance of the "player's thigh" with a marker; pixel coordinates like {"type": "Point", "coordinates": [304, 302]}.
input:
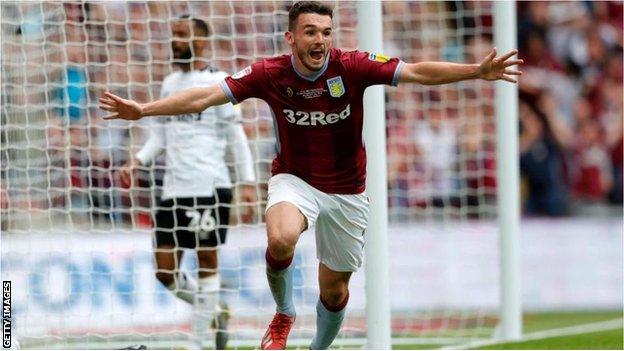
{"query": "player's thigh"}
{"type": "Point", "coordinates": [207, 250]}
{"type": "Point", "coordinates": [215, 220]}
{"type": "Point", "coordinates": [291, 207]}
{"type": "Point", "coordinates": [166, 251]}
{"type": "Point", "coordinates": [195, 222]}
{"type": "Point", "coordinates": [172, 221]}
{"type": "Point", "coordinates": [340, 230]}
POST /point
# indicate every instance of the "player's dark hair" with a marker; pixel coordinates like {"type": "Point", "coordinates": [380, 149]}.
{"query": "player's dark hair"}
{"type": "Point", "coordinates": [302, 7]}
{"type": "Point", "coordinates": [200, 27]}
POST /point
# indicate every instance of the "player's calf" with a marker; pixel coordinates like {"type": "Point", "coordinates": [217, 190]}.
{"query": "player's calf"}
{"type": "Point", "coordinates": [329, 318]}
{"type": "Point", "coordinates": [181, 285]}
{"type": "Point", "coordinates": [279, 275]}
{"type": "Point", "coordinates": [331, 306]}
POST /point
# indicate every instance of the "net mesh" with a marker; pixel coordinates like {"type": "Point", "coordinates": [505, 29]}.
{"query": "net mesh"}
{"type": "Point", "coordinates": [78, 245]}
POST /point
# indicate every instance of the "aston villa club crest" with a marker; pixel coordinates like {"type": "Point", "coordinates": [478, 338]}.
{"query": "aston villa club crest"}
{"type": "Point", "coordinates": [336, 88]}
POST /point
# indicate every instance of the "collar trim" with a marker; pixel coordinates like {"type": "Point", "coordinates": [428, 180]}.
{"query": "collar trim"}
{"type": "Point", "coordinates": [314, 76]}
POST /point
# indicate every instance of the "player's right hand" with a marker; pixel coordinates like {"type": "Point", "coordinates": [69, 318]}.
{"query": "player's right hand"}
{"type": "Point", "coordinates": [247, 199]}
{"type": "Point", "coordinates": [120, 108]}
{"type": "Point", "coordinates": [126, 174]}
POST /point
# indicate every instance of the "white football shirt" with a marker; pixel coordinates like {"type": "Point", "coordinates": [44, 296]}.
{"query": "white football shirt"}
{"type": "Point", "coordinates": [195, 144]}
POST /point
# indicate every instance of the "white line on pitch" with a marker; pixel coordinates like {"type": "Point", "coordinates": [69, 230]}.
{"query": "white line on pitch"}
{"type": "Point", "coordinates": [577, 329]}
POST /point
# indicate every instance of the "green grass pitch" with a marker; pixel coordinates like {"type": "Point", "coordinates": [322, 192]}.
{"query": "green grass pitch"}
{"type": "Point", "coordinates": [606, 340]}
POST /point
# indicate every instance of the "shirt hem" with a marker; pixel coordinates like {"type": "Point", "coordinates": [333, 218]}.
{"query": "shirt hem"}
{"type": "Point", "coordinates": [331, 190]}
{"type": "Point", "coordinates": [169, 196]}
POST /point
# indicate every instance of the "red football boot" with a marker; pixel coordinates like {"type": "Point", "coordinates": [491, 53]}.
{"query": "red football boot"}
{"type": "Point", "coordinates": [277, 334]}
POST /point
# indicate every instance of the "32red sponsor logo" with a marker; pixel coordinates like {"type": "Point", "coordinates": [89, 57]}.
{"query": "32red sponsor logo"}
{"type": "Point", "coordinates": [315, 118]}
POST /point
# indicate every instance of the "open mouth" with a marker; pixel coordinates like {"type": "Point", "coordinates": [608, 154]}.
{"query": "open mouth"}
{"type": "Point", "coordinates": [317, 54]}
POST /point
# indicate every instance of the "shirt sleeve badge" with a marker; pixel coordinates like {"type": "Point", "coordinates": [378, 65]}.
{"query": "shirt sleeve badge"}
{"type": "Point", "coordinates": [378, 57]}
{"type": "Point", "coordinates": [244, 72]}
{"type": "Point", "coordinates": [336, 87]}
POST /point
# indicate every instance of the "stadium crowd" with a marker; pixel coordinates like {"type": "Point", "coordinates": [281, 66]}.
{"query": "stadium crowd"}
{"type": "Point", "coordinates": [570, 110]}
{"type": "Point", "coordinates": [441, 143]}
{"type": "Point", "coordinates": [571, 105]}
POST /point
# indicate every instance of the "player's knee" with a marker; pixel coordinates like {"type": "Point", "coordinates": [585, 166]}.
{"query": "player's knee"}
{"type": "Point", "coordinates": [165, 278]}
{"type": "Point", "coordinates": [334, 296]}
{"type": "Point", "coordinates": [281, 246]}
{"type": "Point", "coordinates": [207, 258]}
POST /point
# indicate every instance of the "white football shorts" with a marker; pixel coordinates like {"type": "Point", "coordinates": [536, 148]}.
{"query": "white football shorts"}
{"type": "Point", "coordinates": [340, 220]}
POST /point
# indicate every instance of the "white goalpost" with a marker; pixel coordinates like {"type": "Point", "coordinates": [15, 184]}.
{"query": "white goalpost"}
{"type": "Point", "coordinates": [441, 266]}
{"type": "Point", "coordinates": [508, 180]}
{"type": "Point", "coordinates": [378, 328]}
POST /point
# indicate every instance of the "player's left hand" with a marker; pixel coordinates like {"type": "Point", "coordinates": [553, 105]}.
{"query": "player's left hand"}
{"type": "Point", "coordinates": [494, 68]}
{"type": "Point", "coordinates": [247, 200]}
{"type": "Point", "coordinates": [120, 108]}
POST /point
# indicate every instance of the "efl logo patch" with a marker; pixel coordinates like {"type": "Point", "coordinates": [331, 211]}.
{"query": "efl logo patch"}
{"type": "Point", "coordinates": [244, 72]}
{"type": "Point", "coordinates": [378, 57]}
{"type": "Point", "coordinates": [336, 88]}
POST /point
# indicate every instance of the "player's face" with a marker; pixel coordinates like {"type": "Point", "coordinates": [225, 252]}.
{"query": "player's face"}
{"type": "Point", "coordinates": [311, 40]}
{"type": "Point", "coordinates": [180, 44]}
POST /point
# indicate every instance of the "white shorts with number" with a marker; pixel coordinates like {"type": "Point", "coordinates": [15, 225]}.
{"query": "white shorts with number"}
{"type": "Point", "coordinates": [340, 220]}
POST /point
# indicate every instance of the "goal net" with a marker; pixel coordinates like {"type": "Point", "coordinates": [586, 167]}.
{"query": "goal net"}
{"type": "Point", "coordinates": [77, 245]}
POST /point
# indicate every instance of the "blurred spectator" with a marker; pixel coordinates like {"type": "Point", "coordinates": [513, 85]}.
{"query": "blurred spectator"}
{"type": "Point", "coordinates": [398, 155]}
{"type": "Point", "coordinates": [593, 180]}
{"type": "Point", "coordinates": [79, 172]}
{"type": "Point", "coordinates": [477, 164]}
{"type": "Point", "coordinates": [73, 96]}
{"type": "Point", "coordinates": [436, 156]}
{"type": "Point", "coordinates": [615, 196]}
{"type": "Point", "coordinates": [543, 139]}
{"type": "Point", "coordinates": [73, 92]}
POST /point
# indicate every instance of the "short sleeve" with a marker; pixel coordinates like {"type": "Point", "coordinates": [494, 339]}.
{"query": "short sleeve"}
{"type": "Point", "coordinates": [244, 84]}
{"type": "Point", "coordinates": [227, 113]}
{"type": "Point", "coordinates": [376, 68]}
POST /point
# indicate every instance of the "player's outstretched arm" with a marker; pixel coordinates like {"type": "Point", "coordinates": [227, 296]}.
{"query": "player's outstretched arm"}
{"type": "Point", "coordinates": [491, 68]}
{"type": "Point", "coordinates": [193, 100]}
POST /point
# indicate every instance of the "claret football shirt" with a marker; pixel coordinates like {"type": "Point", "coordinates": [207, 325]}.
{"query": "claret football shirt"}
{"type": "Point", "coordinates": [318, 118]}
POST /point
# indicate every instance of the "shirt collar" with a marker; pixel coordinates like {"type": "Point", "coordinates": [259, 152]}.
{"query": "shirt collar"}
{"type": "Point", "coordinates": [314, 76]}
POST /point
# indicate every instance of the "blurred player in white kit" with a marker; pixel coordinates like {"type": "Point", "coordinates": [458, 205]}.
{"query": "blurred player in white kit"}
{"type": "Point", "coordinates": [197, 190]}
